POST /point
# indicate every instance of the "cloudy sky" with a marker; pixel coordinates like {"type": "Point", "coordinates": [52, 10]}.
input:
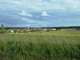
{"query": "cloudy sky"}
{"type": "Point", "coordinates": [39, 13]}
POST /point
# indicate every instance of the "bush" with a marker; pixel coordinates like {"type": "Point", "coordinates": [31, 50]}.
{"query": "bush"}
{"type": "Point", "coordinates": [20, 31]}
{"type": "Point", "coordinates": [32, 30]}
{"type": "Point", "coordinates": [47, 30]}
{"type": "Point", "coordinates": [6, 31]}
{"type": "Point", "coordinates": [2, 31]}
{"type": "Point", "coordinates": [24, 31]}
{"type": "Point", "coordinates": [15, 30]}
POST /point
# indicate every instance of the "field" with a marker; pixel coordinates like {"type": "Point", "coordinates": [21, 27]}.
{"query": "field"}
{"type": "Point", "coordinates": [52, 45]}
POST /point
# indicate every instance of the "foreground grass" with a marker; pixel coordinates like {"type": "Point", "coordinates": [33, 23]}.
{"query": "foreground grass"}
{"type": "Point", "coordinates": [39, 47]}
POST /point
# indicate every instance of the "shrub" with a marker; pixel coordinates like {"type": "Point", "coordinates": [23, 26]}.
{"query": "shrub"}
{"type": "Point", "coordinates": [20, 31]}
{"type": "Point", "coordinates": [2, 31]}
{"type": "Point", "coordinates": [15, 30]}
{"type": "Point", "coordinates": [32, 30]}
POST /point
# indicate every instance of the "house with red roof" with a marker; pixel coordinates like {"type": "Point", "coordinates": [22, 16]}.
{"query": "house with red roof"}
{"type": "Point", "coordinates": [19, 29]}
{"type": "Point", "coordinates": [11, 30]}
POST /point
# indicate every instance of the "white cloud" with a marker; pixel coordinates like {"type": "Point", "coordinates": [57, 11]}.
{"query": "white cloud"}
{"type": "Point", "coordinates": [15, 2]}
{"type": "Point", "coordinates": [44, 14]}
{"type": "Point", "coordinates": [27, 25]}
{"type": "Point", "coordinates": [26, 19]}
{"type": "Point", "coordinates": [25, 14]}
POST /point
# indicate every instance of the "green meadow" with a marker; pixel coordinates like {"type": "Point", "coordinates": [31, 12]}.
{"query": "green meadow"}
{"type": "Point", "coordinates": [42, 45]}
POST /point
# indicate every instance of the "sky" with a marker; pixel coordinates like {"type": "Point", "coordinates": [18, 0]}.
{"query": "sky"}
{"type": "Point", "coordinates": [39, 13]}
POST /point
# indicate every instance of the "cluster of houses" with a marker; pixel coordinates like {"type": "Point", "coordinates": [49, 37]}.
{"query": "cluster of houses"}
{"type": "Point", "coordinates": [12, 30]}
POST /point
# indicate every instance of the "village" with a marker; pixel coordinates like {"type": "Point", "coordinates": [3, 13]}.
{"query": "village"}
{"type": "Point", "coordinates": [30, 30]}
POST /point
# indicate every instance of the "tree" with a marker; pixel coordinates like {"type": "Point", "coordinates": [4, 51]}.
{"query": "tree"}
{"type": "Point", "coordinates": [2, 27]}
{"type": "Point", "coordinates": [19, 31]}
{"type": "Point", "coordinates": [15, 30]}
{"type": "Point", "coordinates": [45, 27]}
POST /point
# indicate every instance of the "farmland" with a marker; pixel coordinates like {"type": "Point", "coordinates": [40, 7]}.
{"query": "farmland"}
{"type": "Point", "coordinates": [42, 45]}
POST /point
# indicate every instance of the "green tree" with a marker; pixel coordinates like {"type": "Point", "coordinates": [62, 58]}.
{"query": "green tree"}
{"type": "Point", "coordinates": [15, 30]}
{"type": "Point", "coordinates": [24, 31]}
{"type": "Point", "coordinates": [45, 27]}
{"type": "Point", "coordinates": [2, 27]}
{"type": "Point", "coordinates": [19, 31]}
{"type": "Point", "coordinates": [6, 31]}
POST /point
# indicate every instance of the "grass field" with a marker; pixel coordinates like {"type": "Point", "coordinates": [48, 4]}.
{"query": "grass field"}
{"type": "Point", "coordinates": [52, 45]}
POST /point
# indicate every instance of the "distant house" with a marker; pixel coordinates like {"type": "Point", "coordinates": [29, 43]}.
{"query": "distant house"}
{"type": "Point", "coordinates": [48, 29]}
{"type": "Point", "coordinates": [19, 29]}
{"type": "Point", "coordinates": [26, 29]}
{"type": "Point", "coordinates": [44, 29]}
{"type": "Point", "coordinates": [40, 29]}
{"type": "Point", "coordinates": [11, 31]}
{"type": "Point", "coordinates": [29, 30]}
{"type": "Point", "coordinates": [54, 29]}
{"type": "Point", "coordinates": [33, 29]}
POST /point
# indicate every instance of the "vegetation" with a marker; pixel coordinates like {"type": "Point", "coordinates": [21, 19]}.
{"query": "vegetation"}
{"type": "Point", "coordinates": [15, 30]}
{"type": "Point", "coordinates": [52, 45]}
{"type": "Point", "coordinates": [32, 30]}
{"type": "Point", "coordinates": [2, 29]}
{"type": "Point", "coordinates": [19, 31]}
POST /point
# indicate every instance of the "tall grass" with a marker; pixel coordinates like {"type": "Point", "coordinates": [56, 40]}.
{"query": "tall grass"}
{"type": "Point", "coordinates": [39, 47]}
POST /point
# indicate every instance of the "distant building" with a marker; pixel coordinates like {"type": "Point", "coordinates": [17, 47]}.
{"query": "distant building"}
{"type": "Point", "coordinates": [26, 29]}
{"type": "Point", "coordinates": [11, 31]}
{"type": "Point", "coordinates": [54, 29]}
{"type": "Point", "coordinates": [44, 29]}
{"type": "Point", "coordinates": [29, 30]}
{"type": "Point", "coordinates": [40, 28]}
{"type": "Point", "coordinates": [48, 29]}
{"type": "Point", "coordinates": [19, 29]}
{"type": "Point", "coordinates": [33, 29]}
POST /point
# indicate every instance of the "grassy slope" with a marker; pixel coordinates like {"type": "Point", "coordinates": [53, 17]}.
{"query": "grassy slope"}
{"type": "Point", "coordinates": [40, 46]}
